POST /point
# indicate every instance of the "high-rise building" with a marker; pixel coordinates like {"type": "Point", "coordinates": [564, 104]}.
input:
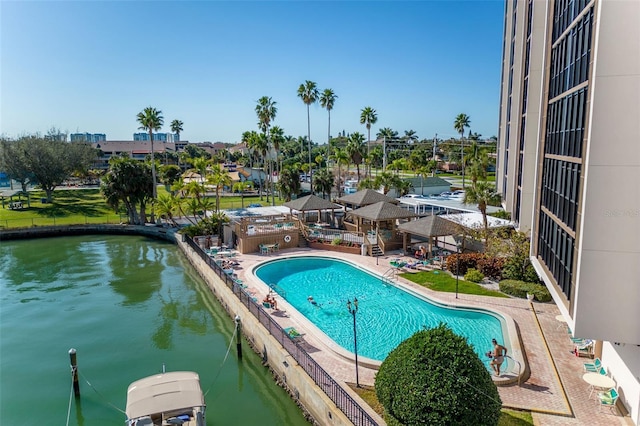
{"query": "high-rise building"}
{"type": "Point", "coordinates": [88, 137]}
{"type": "Point", "coordinates": [159, 137]}
{"type": "Point", "coordinates": [569, 165]}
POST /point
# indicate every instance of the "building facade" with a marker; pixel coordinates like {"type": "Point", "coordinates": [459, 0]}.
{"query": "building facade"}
{"type": "Point", "coordinates": [157, 137]}
{"type": "Point", "coordinates": [569, 163]}
{"type": "Point", "coordinates": [87, 137]}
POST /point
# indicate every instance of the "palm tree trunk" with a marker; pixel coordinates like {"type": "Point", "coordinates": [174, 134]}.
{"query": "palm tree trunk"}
{"type": "Point", "coordinates": [328, 139]}
{"type": "Point", "coordinates": [309, 144]}
{"type": "Point", "coordinates": [368, 152]}
{"type": "Point", "coordinates": [153, 179]}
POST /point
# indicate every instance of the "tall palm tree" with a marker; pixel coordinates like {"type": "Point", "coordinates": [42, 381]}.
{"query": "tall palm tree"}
{"type": "Point", "coordinates": [266, 111]}
{"type": "Point", "coordinates": [327, 100]}
{"type": "Point", "coordinates": [151, 120]}
{"type": "Point", "coordinates": [308, 92]}
{"type": "Point", "coordinates": [277, 140]}
{"type": "Point", "coordinates": [341, 157]}
{"type": "Point", "coordinates": [259, 147]}
{"type": "Point", "coordinates": [461, 122]}
{"type": "Point", "coordinates": [368, 117]}
{"type": "Point", "coordinates": [176, 127]}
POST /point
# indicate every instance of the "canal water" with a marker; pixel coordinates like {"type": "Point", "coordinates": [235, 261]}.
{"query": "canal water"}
{"type": "Point", "coordinates": [129, 306]}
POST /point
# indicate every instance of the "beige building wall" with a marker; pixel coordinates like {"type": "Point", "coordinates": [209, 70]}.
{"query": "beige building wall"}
{"type": "Point", "coordinates": [607, 303]}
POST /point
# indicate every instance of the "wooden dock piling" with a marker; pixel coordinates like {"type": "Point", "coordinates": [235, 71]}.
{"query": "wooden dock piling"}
{"type": "Point", "coordinates": [74, 371]}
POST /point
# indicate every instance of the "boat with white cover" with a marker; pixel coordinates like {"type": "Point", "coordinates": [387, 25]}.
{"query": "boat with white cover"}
{"type": "Point", "coordinates": [173, 398]}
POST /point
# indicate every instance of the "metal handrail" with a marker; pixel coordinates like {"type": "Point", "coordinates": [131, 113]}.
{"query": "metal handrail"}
{"type": "Point", "coordinates": [343, 400]}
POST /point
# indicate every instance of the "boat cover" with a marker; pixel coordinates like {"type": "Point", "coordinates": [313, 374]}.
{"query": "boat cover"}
{"type": "Point", "coordinates": [164, 392]}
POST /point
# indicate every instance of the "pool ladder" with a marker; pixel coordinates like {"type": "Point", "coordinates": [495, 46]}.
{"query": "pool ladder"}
{"type": "Point", "coordinates": [278, 289]}
{"type": "Point", "coordinates": [391, 276]}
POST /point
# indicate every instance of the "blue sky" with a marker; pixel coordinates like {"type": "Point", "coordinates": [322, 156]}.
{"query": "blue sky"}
{"type": "Point", "coordinates": [92, 66]}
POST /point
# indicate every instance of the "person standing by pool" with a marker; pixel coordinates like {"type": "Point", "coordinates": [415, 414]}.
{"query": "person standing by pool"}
{"type": "Point", "coordinates": [498, 355]}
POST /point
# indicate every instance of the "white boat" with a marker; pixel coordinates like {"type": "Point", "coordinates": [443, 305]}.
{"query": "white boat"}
{"type": "Point", "coordinates": [173, 398]}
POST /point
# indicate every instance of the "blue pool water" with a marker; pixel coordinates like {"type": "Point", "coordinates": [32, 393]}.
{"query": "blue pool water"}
{"type": "Point", "coordinates": [386, 316]}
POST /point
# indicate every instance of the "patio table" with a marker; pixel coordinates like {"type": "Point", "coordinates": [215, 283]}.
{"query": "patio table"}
{"type": "Point", "coordinates": [598, 381]}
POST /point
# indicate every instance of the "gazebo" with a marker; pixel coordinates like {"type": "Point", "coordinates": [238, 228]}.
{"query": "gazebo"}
{"type": "Point", "coordinates": [382, 217]}
{"type": "Point", "coordinates": [365, 197]}
{"type": "Point", "coordinates": [429, 227]}
{"type": "Point", "coordinates": [312, 203]}
{"type": "Point", "coordinates": [10, 193]}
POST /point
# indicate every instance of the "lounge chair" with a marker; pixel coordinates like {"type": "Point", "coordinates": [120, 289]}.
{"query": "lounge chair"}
{"type": "Point", "coordinates": [585, 349]}
{"type": "Point", "coordinates": [608, 399]}
{"type": "Point", "coordinates": [593, 367]}
{"type": "Point", "coordinates": [292, 333]}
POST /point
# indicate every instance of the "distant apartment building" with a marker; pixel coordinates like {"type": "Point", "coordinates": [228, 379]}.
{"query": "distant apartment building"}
{"type": "Point", "coordinates": [138, 150]}
{"type": "Point", "coordinates": [87, 137]}
{"type": "Point", "coordinates": [569, 165]}
{"type": "Point", "coordinates": [56, 137]}
{"type": "Point", "coordinates": [157, 137]}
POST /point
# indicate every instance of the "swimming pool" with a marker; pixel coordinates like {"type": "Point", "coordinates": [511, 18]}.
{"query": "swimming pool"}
{"type": "Point", "coordinates": [387, 315]}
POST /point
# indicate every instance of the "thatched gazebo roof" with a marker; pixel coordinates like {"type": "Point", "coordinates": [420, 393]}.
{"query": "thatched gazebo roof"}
{"type": "Point", "coordinates": [430, 226]}
{"type": "Point", "coordinates": [365, 198]}
{"type": "Point", "coordinates": [381, 211]}
{"type": "Point", "coordinates": [311, 202]}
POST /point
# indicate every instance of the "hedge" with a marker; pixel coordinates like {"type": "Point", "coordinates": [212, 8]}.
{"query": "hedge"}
{"type": "Point", "coordinates": [520, 289]}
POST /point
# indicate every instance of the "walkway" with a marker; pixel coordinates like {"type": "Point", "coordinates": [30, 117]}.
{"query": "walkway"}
{"type": "Point", "coordinates": [554, 392]}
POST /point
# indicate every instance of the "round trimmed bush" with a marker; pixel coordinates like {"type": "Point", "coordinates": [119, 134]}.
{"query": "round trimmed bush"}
{"type": "Point", "coordinates": [474, 275]}
{"type": "Point", "coordinates": [435, 378]}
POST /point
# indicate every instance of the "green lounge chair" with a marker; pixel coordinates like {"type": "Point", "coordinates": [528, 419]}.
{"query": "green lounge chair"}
{"type": "Point", "coordinates": [292, 333]}
{"type": "Point", "coordinates": [608, 399]}
{"type": "Point", "coordinates": [593, 367]}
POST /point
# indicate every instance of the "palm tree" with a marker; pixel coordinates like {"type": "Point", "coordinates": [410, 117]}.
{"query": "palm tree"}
{"type": "Point", "coordinates": [266, 111]}
{"type": "Point", "coordinates": [219, 179]}
{"type": "Point", "coordinates": [277, 140]}
{"type": "Point", "coordinates": [368, 117]}
{"type": "Point", "coordinates": [341, 157]}
{"type": "Point", "coordinates": [327, 100]}
{"type": "Point", "coordinates": [176, 127]}
{"type": "Point", "coordinates": [289, 182]}
{"type": "Point", "coordinates": [355, 149]}
{"type": "Point", "coordinates": [410, 136]}
{"type": "Point", "coordinates": [482, 193]}
{"type": "Point", "coordinates": [461, 122]}
{"type": "Point", "coordinates": [258, 145]}
{"type": "Point", "coordinates": [308, 92]}
{"type": "Point", "coordinates": [151, 120]}
{"type": "Point", "coordinates": [324, 182]}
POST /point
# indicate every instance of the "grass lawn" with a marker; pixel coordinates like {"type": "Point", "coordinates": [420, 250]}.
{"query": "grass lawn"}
{"type": "Point", "coordinates": [442, 281]}
{"type": "Point", "coordinates": [87, 205]}
{"type": "Point", "coordinates": [507, 418]}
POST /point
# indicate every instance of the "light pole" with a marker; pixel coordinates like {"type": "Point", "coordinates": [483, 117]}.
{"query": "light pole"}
{"type": "Point", "coordinates": [457, 266]}
{"type": "Point", "coordinates": [353, 309]}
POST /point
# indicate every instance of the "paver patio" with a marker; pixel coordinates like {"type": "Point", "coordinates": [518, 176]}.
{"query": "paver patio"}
{"type": "Point", "coordinates": [554, 392]}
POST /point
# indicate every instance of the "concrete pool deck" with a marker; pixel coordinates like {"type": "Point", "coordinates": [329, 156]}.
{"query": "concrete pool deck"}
{"type": "Point", "coordinates": [554, 391]}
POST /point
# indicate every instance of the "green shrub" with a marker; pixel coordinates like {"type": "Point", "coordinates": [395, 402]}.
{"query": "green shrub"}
{"type": "Point", "coordinates": [336, 241]}
{"type": "Point", "coordinates": [520, 289]}
{"type": "Point", "coordinates": [474, 275]}
{"type": "Point", "coordinates": [435, 378]}
{"type": "Point", "coordinates": [520, 270]}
